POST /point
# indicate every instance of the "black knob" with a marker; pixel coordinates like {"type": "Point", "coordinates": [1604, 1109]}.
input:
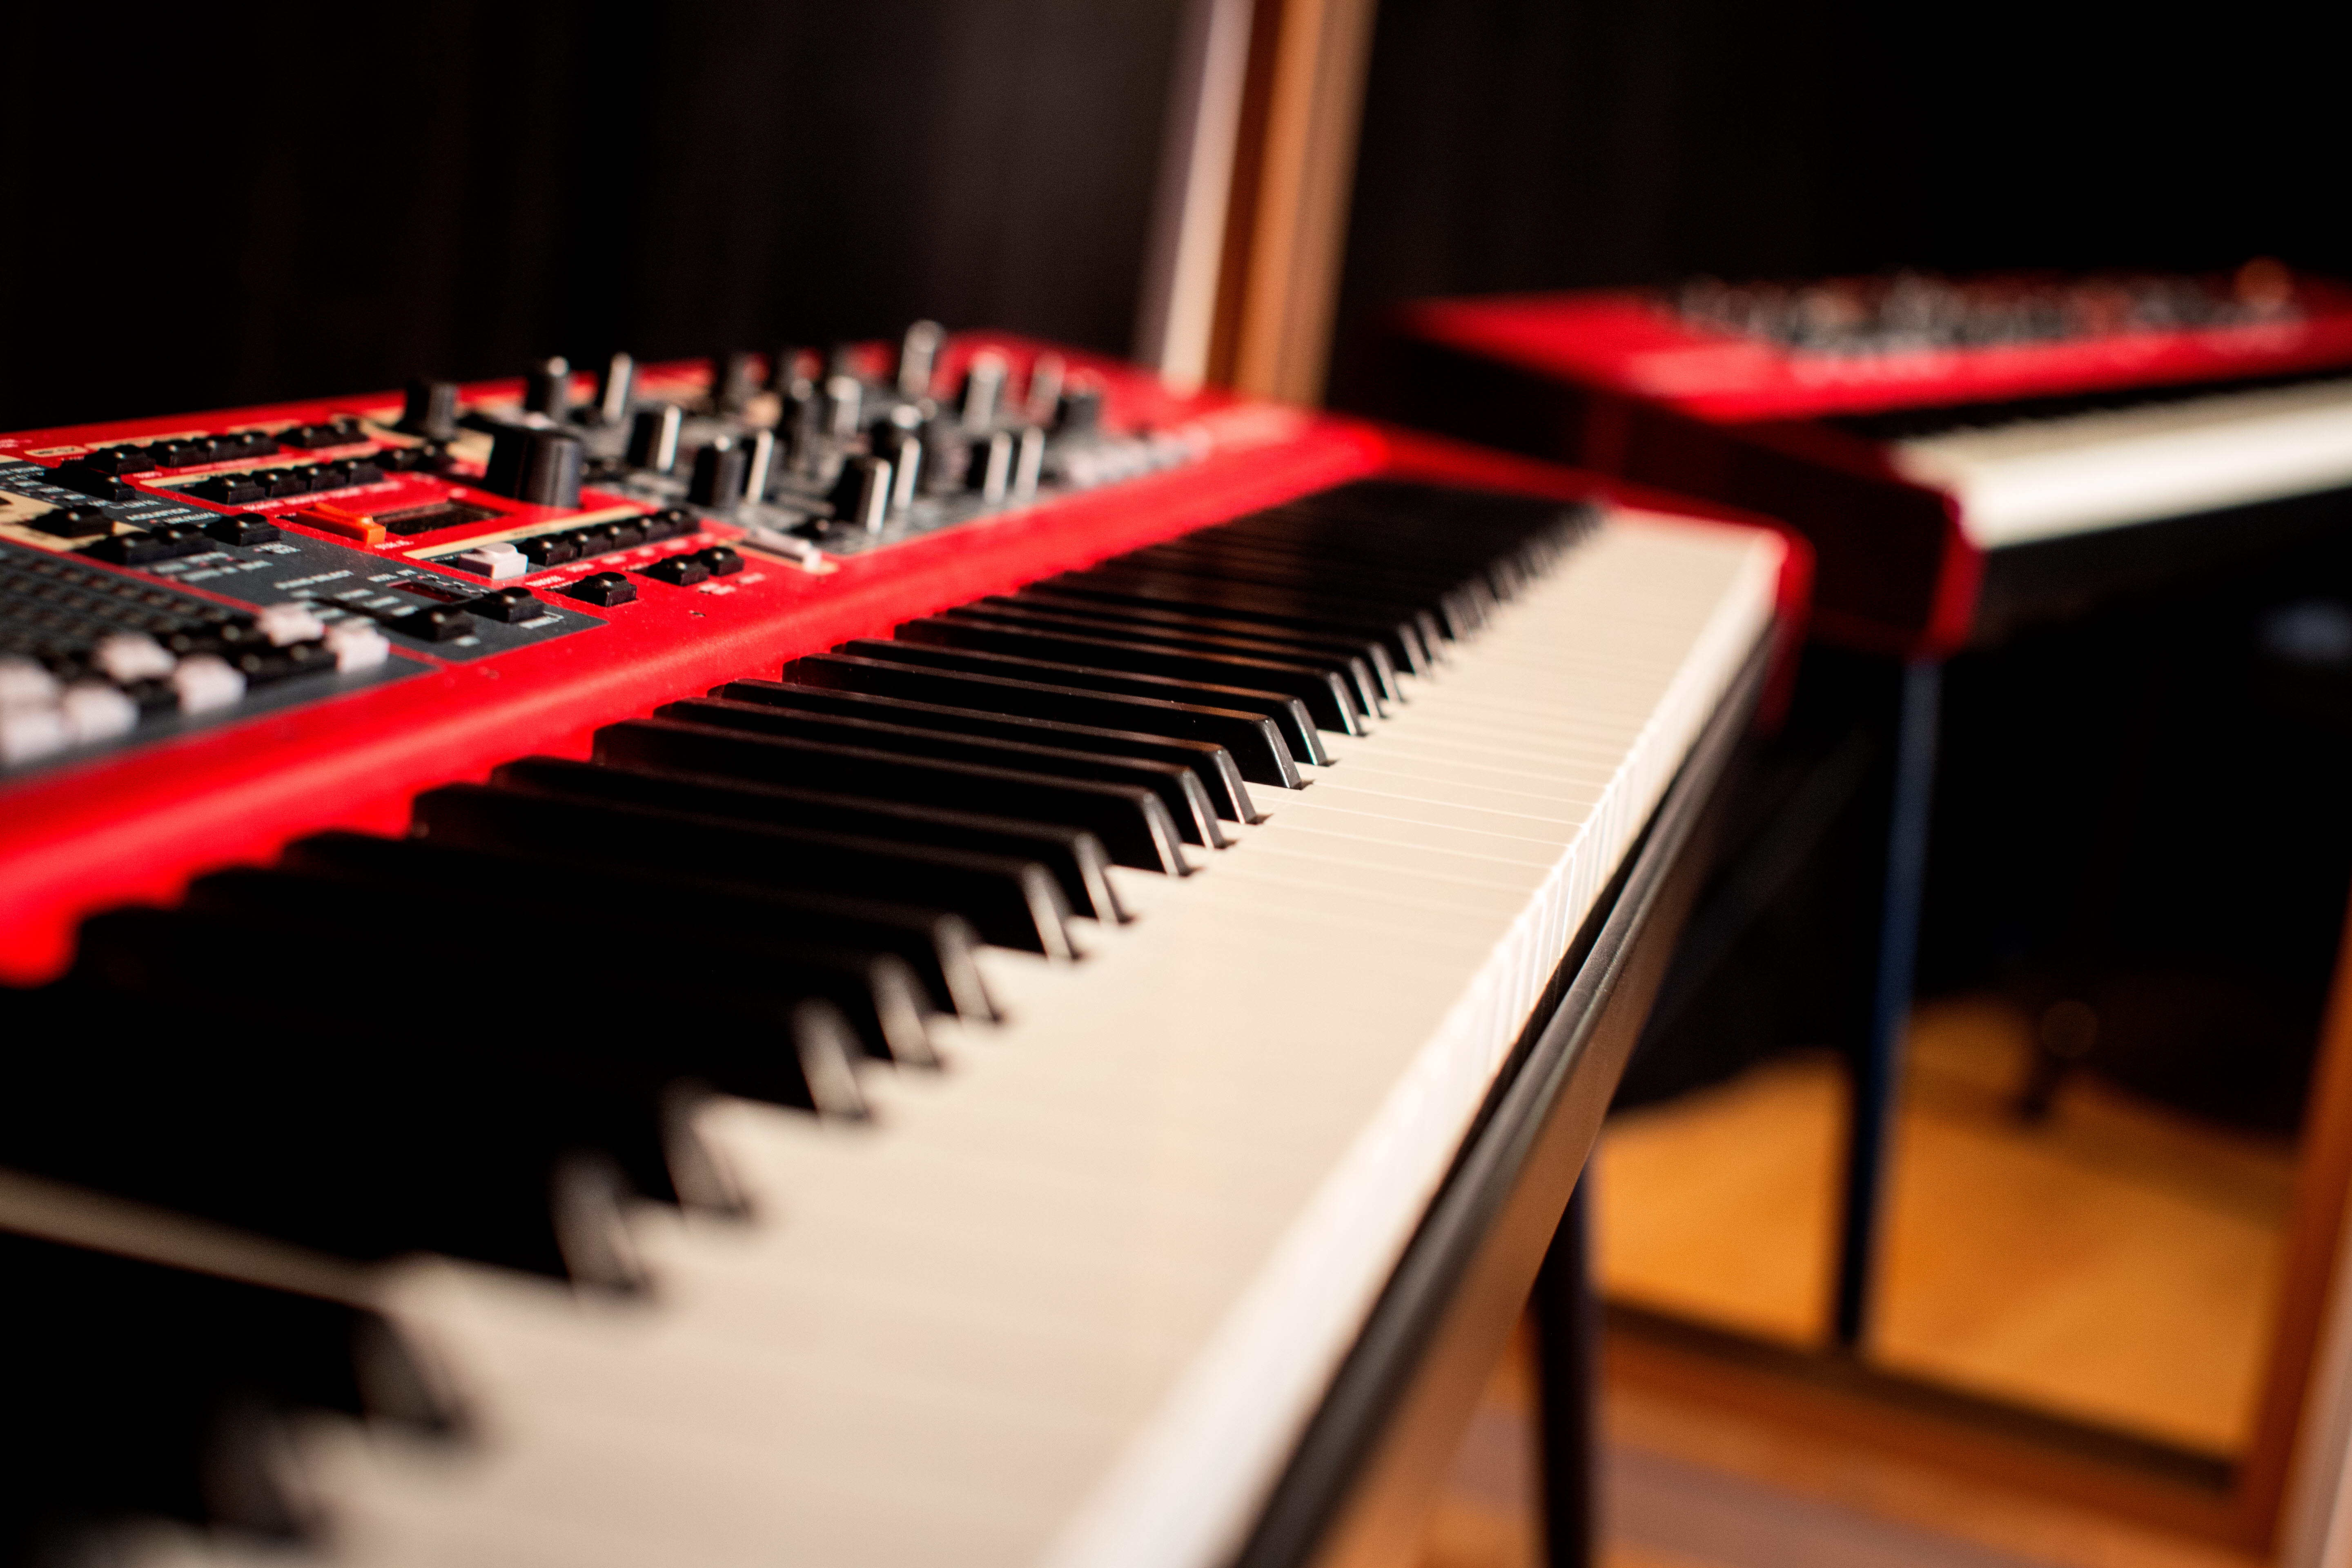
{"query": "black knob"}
{"type": "Point", "coordinates": [653, 438]}
{"type": "Point", "coordinates": [1028, 463]}
{"type": "Point", "coordinates": [861, 497]}
{"type": "Point", "coordinates": [432, 409]}
{"type": "Point", "coordinates": [1080, 413]}
{"type": "Point", "coordinates": [1045, 386]}
{"type": "Point", "coordinates": [733, 379]}
{"type": "Point", "coordinates": [537, 465]}
{"type": "Point", "coordinates": [548, 388]}
{"type": "Point", "coordinates": [787, 368]}
{"type": "Point", "coordinates": [984, 387]}
{"type": "Point", "coordinates": [803, 418]}
{"type": "Point", "coordinates": [843, 395]}
{"type": "Point", "coordinates": [988, 466]}
{"type": "Point", "coordinates": [906, 467]}
{"type": "Point", "coordinates": [613, 392]}
{"type": "Point", "coordinates": [717, 475]}
{"type": "Point", "coordinates": [759, 461]}
{"type": "Point", "coordinates": [916, 355]}
{"type": "Point", "coordinates": [947, 455]}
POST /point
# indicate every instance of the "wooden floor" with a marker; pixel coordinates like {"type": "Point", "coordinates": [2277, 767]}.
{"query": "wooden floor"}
{"type": "Point", "coordinates": [1689, 1484]}
{"type": "Point", "coordinates": [2114, 1265]}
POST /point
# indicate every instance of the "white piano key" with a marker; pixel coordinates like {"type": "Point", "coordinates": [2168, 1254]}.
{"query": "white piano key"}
{"type": "Point", "coordinates": [1069, 1302]}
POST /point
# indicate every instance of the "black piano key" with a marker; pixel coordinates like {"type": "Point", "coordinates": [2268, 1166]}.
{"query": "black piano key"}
{"type": "Point", "coordinates": [1130, 820]}
{"type": "Point", "coordinates": [674, 1031]}
{"type": "Point", "coordinates": [1459, 608]}
{"type": "Point", "coordinates": [1203, 786]}
{"type": "Point", "coordinates": [330, 1131]}
{"type": "Point", "coordinates": [1370, 650]}
{"type": "Point", "coordinates": [1402, 638]}
{"type": "Point", "coordinates": [1331, 701]}
{"type": "Point", "coordinates": [1363, 685]}
{"type": "Point", "coordinates": [656, 763]}
{"type": "Point", "coordinates": [1255, 744]}
{"type": "Point", "coordinates": [1105, 793]}
{"type": "Point", "coordinates": [1409, 626]}
{"type": "Point", "coordinates": [143, 1390]}
{"type": "Point", "coordinates": [1289, 716]}
{"type": "Point", "coordinates": [936, 945]}
{"type": "Point", "coordinates": [1012, 903]}
{"type": "Point", "coordinates": [600, 1098]}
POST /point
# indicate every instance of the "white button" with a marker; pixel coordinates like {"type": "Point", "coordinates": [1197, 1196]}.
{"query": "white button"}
{"type": "Point", "coordinates": [290, 623]}
{"type": "Point", "coordinates": [496, 562]}
{"type": "Point", "coordinates": [24, 684]}
{"type": "Point", "coordinates": [357, 645]}
{"type": "Point", "coordinates": [126, 656]}
{"type": "Point", "coordinates": [94, 711]}
{"type": "Point", "coordinates": [29, 733]}
{"type": "Point", "coordinates": [205, 682]}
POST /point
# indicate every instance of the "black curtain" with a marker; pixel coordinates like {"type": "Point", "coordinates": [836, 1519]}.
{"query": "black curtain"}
{"type": "Point", "coordinates": [1512, 144]}
{"type": "Point", "coordinates": [225, 204]}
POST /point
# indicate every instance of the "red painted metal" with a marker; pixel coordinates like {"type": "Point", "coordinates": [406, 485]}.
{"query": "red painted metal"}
{"type": "Point", "coordinates": [136, 825]}
{"type": "Point", "coordinates": [1616, 381]}
{"type": "Point", "coordinates": [1630, 344]}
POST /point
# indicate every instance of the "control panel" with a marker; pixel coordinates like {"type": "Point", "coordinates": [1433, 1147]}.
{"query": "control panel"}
{"type": "Point", "coordinates": [163, 577]}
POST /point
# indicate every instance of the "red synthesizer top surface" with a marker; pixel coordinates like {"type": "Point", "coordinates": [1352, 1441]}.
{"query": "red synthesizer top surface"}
{"type": "Point", "coordinates": [436, 696]}
{"type": "Point", "coordinates": [1737, 355]}
{"type": "Point", "coordinates": [1793, 400]}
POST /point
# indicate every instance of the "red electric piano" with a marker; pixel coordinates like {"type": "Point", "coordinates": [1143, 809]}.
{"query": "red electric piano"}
{"type": "Point", "coordinates": [866, 958]}
{"type": "Point", "coordinates": [1966, 456]}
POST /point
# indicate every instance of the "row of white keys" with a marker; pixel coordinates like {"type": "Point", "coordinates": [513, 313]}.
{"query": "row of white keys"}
{"type": "Point", "coordinates": [1071, 1300]}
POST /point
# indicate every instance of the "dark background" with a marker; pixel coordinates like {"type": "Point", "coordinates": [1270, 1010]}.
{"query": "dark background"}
{"type": "Point", "coordinates": [216, 205]}
{"type": "Point", "coordinates": [1512, 144]}
{"type": "Point", "coordinates": [230, 203]}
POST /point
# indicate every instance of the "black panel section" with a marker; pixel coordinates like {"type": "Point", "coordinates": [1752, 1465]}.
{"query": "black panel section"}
{"type": "Point", "coordinates": [2055, 579]}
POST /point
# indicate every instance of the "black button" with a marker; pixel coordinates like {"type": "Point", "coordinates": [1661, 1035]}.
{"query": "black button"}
{"type": "Point", "coordinates": [243, 528]}
{"type": "Point", "coordinates": [289, 481]}
{"type": "Point", "coordinates": [180, 454]}
{"type": "Point", "coordinates": [596, 538]}
{"type": "Point", "coordinates": [89, 482]}
{"type": "Point", "coordinates": [721, 561]}
{"type": "Point", "coordinates": [72, 522]}
{"type": "Point", "coordinates": [505, 604]}
{"type": "Point", "coordinates": [550, 549]}
{"type": "Point", "coordinates": [604, 589]}
{"type": "Point", "coordinates": [263, 664]}
{"type": "Point", "coordinates": [423, 457]}
{"type": "Point", "coordinates": [118, 460]}
{"type": "Point", "coordinates": [683, 570]}
{"type": "Point", "coordinates": [433, 622]}
{"type": "Point", "coordinates": [626, 535]}
{"type": "Point", "coordinates": [229, 490]}
{"type": "Point", "coordinates": [139, 549]}
{"type": "Point", "coordinates": [335, 432]}
{"type": "Point", "coordinates": [667, 523]}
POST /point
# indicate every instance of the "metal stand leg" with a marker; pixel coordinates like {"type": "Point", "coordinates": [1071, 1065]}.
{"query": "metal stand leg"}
{"type": "Point", "coordinates": [1567, 1328]}
{"type": "Point", "coordinates": [1879, 1072]}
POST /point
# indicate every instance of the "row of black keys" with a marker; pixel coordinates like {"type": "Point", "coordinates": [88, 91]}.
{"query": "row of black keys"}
{"type": "Point", "coordinates": [748, 893]}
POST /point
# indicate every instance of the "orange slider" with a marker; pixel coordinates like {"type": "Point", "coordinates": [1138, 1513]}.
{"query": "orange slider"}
{"type": "Point", "coordinates": [329, 517]}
